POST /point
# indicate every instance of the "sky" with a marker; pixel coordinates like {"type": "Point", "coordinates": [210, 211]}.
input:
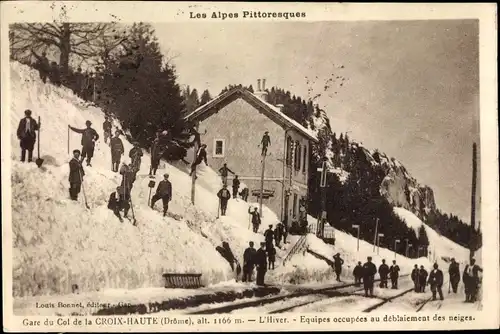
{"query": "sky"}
{"type": "Point", "coordinates": [411, 88]}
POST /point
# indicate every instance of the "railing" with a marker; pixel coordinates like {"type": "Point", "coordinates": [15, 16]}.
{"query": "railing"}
{"type": "Point", "coordinates": [300, 245]}
{"type": "Point", "coordinates": [328, 232]}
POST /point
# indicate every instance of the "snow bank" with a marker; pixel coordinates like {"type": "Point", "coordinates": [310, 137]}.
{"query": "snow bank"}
{"type": "Point", "coordinates": [439, 246]}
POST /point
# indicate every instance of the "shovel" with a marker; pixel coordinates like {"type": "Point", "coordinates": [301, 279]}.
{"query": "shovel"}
{"type": "Point", "coordinates": [39, 161]}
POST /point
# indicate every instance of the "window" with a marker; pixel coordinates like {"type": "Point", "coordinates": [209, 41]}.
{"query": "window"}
{"type": "Point", "coordinates": [289, 150]}
{"type": "Point", "coordinates": [294, 208]}
{"type": "Point", "coordinates": [219, 147]}
{"type": "Point", "coordinates": [304, 160]}
{"type": "Point", "coordinates": [297, 155]}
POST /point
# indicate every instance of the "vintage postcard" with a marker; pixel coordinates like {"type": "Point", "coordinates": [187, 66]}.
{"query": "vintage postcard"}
{"type": "Point", "coordinates": [214, 166]}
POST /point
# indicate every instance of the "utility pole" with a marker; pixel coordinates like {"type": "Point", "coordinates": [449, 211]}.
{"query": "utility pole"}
{"type": "Point", "coordinates": [375, 235]}
{"type": "Point", "coordinates": [473, 202]}
{"type": "Point", "coordinates": [396, 242]}
{"type": "Point", "coordinates": [322, 185]}
{"type": "Point", "coordinates": [193, 175]}
{"type": "Point", "coordinates": [406, 250]}
{"type": "Point", "coordinates": [380, 235]}
{"type": "Point", "coordinates": [262, 183]}
{"type": "Point", "coordinates": [358, 228]}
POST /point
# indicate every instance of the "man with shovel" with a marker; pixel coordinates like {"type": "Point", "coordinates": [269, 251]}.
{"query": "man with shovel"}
{"type": "Point", "coordinates": [89, 137]}
{"type": "Point", "coordinates": [26, 133]}
{"type": "Point", "coordinates": [163, 191]}
{"type": "Point", "coordinates": [76, 174]}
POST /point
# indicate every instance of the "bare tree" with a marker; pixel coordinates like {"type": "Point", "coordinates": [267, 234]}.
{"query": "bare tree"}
{"type": "Point", "coordinates": [86, 42]}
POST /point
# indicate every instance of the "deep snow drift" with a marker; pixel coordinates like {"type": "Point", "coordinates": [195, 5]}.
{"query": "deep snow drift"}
{"type": "Point", "coordinates": [57, 242]}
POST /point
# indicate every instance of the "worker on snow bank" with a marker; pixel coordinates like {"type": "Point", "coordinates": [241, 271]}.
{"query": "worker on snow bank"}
{"type": "Point", "coordinates": [76, 174]}
{"type": "Point", "coordinates": [261, 262]}
{"type": "Point", "coordinates": [135, 156]}
{"type": "Point", "coordinates": [201, 155]}
{"type": "Point", "coordinates": [89, 137]}
{"type": "Point", "coordinates": [163, 191]}
{"type": "Point", "coordinates": [115, 203]}
{"type": "Point", "coordinates": [248, 262]}
{"type": "Point", "coordinates": [338, 262]}
{"type": "Point", "coordinates": [224, 196]}
{"type": "Point", "coordinates": [255, 218]}
{"type": "Point", "coordinates": [117, 151]}
{"type": "Point", "coordinates": [26, 133]}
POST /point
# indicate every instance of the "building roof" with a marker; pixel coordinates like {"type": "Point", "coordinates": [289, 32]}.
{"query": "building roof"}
{"type": "Point", "coordinates": [271, 111]}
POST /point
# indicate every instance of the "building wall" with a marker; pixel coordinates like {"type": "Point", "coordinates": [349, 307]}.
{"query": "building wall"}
{"type": "Point", "coordinates": [241, 128]}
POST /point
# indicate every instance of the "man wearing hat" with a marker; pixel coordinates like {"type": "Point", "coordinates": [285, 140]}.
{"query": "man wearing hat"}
{"type": "Point", "coordinates": [266, 141]}
{"type": "Point", "coordinates": [26, 133]}
{"type": "Point", "coordinates": [42, 65]}
{"type": "Point", "coordinates": [163, 191]}
{"type": "Point", "coordinates": [269, 237]}
{"type": "Point", "coordinates": [436, 282]}
{"type": "Point", "coordinates": [454, 271]}
{"type": "Point", "coordinates": [224, 196]}
{"type": "Point", "coordinates": [89, 137]}
{"type": "Point", "coordinates": [114, 202]}
{"type": "Point", "coordinates": [135, 156]}
{"type": "Point", "coordinates": [201, 155]}
{"type": "Point", "coordinates": [76, 174]}
{"type": "Point", "coordinates": [106, 126]}
{"type": "Point", "coordinates": [338, 262]}
{"type": "Point", "coordinates": [261, 262]}
{"type": "Point", "coordinates": [255, 218]}
{"type": "Point", "coordinates": [369, 271]}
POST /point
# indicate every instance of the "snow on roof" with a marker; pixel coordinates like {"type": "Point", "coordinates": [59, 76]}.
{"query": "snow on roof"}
{"type": "Point", "coordinates": [200, 110]}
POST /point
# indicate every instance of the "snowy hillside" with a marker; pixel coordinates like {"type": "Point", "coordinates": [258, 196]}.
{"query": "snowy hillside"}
{"type": "Point", "coordinates": [439, 246]}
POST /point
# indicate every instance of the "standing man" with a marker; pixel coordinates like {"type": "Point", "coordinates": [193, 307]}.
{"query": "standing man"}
{"type": "Point", "coordinates": [163, 191]}
{"type": "Point", "coordinates": [436, 282]}
{"type": "Point", "coordinates": [26, 133]}
{"type": "Point", "coordinates": [369, 271]}
{"type": "Point", "coordinates": [415, 278]}
{"type": "Point", "coordinates": [156, 153]}
{"type": "Point", "coordinates": [269, 237]}
{"type": "Point", "coordinates": [236, 186]}
{"type": "Point", "coordinates": [255, 218]}
{"type": "Point", "coordinates": [244, 194]}
{"type": "Point", "coordinates": [271, 254]}
{"type": "Point", "coordinates": [278, 234]}
{"type": "Point", "coordinates": [135, 156]}
{"type": "Point", "coordinates": [248, 262]}
{"type": "Point", "coordinates": [383, 272]}
{"type": "Point", "coordinates": [454, 272]}
{"type": "Point", "coordinates": [261, 262]}
{"type": "Point", "coordinates": [471, 281]}
{"type": "Point", "coordinates": [265, 142]}
{"type": "Point", "coordinates": [76, 174]}
{"type": "Point", "coordinates": [422, 274]}
{"type": "Point", "coordinates": [394, 273]}
{"type": "Point", "coordinates": [89, 137]}
{"type": "Point", "coordinates": [42, 65]}
{"type": "Point", "coordinates": [337, 263]}
{"type": "Point", "coordinates": [224, 173]}
{"type": "Point", "coordinates": [358, 274]}
{"type": "Point", "coordinates": [106, 126]}
{"type": "Point", "coordinates": [117, 151]}
{"type": "Point", "coordinates": [224, 196]}
{"type": "Point", "coordinates": [201, 155]}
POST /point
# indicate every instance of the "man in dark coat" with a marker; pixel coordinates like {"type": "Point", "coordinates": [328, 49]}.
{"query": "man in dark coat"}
{"type": "Point", "coordinates": [156, 153]}
{"type": "Point", "coordinates": [261, 262]}
{"type": "Point", "coordinates": [55, 74]}
{"type": "Point", "coordinates": [236, 186]}
{"type": "Point", "coordinates": [265, 142]}
{"type": "Point", "coordinates": [26, 133]}
{"type": "Point", "coordinates": [201, 155]}
{"type": "Point", "coordinates": [383, 271]}
{"type": "Point", "coordinates": [106, 127]}
{"type": "Point", "coordinates": [394, 274]}
{"type": "Point", "coordinates": [224, 196]}
{"type": "Point", "coordinates": [436, 282]}
{"type": "Point", "coordinates": [89, 137]}
{"type": "Point", "coordinates": [422, 274]}
{"type": "Point", "coordinates": [358, 274]}
{"type": "Point", "coordinates": [117, 151]}
{"type": "Point", "coordinates": [255, 218]}
{"type": "Point", "coordinates": [454, 272]}
{"type": "Point", "coordinates": [114, 203]}
{"type": "Point", "coordinates": [42, 65]}
{"type": "Point", "coordinates": [163, 191]}
{"type": "Point", "coordinates": [269, 237]}
{"type": "Point", "coordinates": [415, 278]}
{"type": "Point", "coordinates": [337, 264]}
{"type": "Point", "coordinates": [128, 178]}
{"type": "Point", "coordinates": [471, 281]}
{"type": "Point", "coordinates": [369, 271]}
{"type": "Point", "coordinates": [278, 234]}
{"type": "Point", "coordinates": [248, 262]}
{"type": "Point", "coordinates": [224, 170]}
{"type": "Point", "coordinates": [271, 255]}
{"type": "Point", "coordinates": [76, 174]}
{"type": "Point", "coordinates": [244, 194]}
{"type": "Point", "coordinates": [135, 156]}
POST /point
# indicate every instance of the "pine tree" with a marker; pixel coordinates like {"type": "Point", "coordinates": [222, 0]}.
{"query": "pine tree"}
{"type": "Point", "coordinates": [205, 97]}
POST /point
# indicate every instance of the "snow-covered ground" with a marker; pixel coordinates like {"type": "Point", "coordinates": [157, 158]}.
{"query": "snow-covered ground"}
{"type": "Point", "coordinates": [58, 242]}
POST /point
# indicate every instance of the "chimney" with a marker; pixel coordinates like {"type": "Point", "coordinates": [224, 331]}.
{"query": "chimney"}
{"type": "Point", "coordinates": [258, 85]}
{"type": "Point", "coordinates": [260, 93]}
{"type": "Point", "coordinates": [280, 106]}
{"type": "Point", "coordinates": [263, 84]}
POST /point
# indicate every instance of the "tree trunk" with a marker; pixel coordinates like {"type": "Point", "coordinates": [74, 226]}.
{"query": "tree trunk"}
{"type": "Point", "coordinates": [65, 48]}
{"type": "Point", "coordinates": [473, 202]}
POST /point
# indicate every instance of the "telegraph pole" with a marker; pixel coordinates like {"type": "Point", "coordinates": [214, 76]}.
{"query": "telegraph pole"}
{"type": "Point", "coordinates": [473, 201]}
{"type": "Point", "coordinates": [322, 185]}
{"type": "Point", "coordinates": [262, 183]}
{"type": "Point", "coordinates": [193, 175]}
{"type": "Point", "coordinates": [375, 236]}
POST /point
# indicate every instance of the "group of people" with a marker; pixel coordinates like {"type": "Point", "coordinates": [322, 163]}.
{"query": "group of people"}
{"type": "Point", "coordinates": [367, 272]}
